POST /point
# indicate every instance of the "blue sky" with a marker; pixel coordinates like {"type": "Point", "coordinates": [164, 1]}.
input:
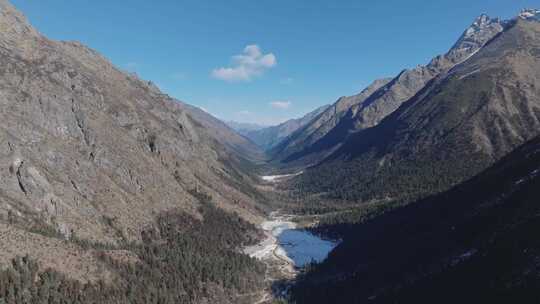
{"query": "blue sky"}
{"type": "Point", "coordinates": [263, 61]}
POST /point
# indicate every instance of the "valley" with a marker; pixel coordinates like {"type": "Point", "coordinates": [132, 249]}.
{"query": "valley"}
{"type": "Point", "coordinates": [421, 188]}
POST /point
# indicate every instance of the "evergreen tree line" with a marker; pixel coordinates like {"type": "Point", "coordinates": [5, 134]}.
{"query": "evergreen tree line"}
{"type": "Point", "coordinates": [182, 260]}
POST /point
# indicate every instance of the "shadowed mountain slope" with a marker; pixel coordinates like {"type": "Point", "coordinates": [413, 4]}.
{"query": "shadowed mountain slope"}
{"type": "Point", "coordinates": [472, 244]}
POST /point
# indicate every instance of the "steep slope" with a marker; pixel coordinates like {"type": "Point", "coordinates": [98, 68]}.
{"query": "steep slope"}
{"type": "Point", "coordinates": [92, 155]}
{"type": "Point", "coordinates": [269, 137]}
{"type": "Point", "coordinates": [472, 244]}
{"type": "Point", "coordinates": [322, 124]}
{"type": "Point", "coordinates": [227, 136]}
{"type": "Point", "coordinates": [356, 113]}
{"type": "Point", "coordinates": [459, 124]}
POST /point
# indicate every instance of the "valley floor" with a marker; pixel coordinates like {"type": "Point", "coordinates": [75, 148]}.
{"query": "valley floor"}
{"type": "Point", "coordinates": [285, 250]}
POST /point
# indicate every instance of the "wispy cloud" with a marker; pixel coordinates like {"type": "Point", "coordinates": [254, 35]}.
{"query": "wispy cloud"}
{"type": "Point", "coordinates": [287, 81]}
{"type": "Point", "coordinates": [244, 112]}
{"type": "Point", "coordinates": [179, 76]}
{"type": "Point", "coordinates": [251, 63]}
{"type": "Point", "coordinates": [281, 105]}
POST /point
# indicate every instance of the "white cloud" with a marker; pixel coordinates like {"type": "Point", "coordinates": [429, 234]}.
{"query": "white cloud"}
{"type": "Point", "coordinates": [251, 63]}
{"type": "Point", "coordinates": [282, 105]}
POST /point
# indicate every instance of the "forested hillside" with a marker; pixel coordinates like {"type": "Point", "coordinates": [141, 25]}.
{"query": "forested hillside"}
{"type": "Point", "coordinates": [181, 260]}
{"type": "Point", "coordinates": [472, 244]}
{"type": "Point", "coordinates": [455, 127]}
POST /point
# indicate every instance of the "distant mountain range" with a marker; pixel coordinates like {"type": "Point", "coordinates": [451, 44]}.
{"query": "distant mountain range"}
{"type": "Point", "coordinates": [244, 127]}
{"type": "Point", "coordinates": [268, 137]}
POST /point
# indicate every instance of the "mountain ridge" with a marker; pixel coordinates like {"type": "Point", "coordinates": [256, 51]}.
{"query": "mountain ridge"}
{"type": "Point", "coordinates": [461, 122]}
{"type": "Point", "coordinates": [92, 155]}
{"type": "Point", "coordinates": [268, 137]}
{"type": "Point", "coordinates": [368, 110]}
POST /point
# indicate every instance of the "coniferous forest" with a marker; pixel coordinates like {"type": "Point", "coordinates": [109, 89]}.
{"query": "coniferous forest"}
{"type": "Point", "coordinates": [181, 260]}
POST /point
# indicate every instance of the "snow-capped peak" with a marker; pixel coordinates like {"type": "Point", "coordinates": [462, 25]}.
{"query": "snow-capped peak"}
{"type": "Point", "coordinates": [474, 38]}
{"type": "Point", "coordinates": [482, 20]}
{"type": "Point", "coordinates": [530, 13]}
{"type": "Point", "coordinates": [480, 24]}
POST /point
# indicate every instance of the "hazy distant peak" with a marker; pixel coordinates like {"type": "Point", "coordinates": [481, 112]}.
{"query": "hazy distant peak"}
{"type": "Point", "coordinates": [244, 126]}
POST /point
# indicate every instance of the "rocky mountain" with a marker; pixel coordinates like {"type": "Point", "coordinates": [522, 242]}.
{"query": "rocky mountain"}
{"type": "Point", "coordinates": [226, 135]}
{"type": "Point", "coordinates": [322, 124]}
{"type": "Point", "coordinates": [356, 113]}
{"type": "Point", "coordinates": [471, 244]}
{"type": "Point", "coordinates": [268, 137]}
{"type": "Point", "coordinates": [92, 155]}
{"type": "Point", "coordinates": [462, 121]}
{"type": "Point", "coordinates": [530, 14]}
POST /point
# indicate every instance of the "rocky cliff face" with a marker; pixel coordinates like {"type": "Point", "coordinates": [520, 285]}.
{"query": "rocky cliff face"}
{"type": "Point", "coordinates": [356, 113]}
{"type": "Point", "coordinates": [90, 152]}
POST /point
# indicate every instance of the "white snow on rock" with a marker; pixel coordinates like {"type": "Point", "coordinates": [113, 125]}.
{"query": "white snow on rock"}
{"type": "Point", "coordinates": [275, 178]}
{"type": "Point", "coordinates": [529, 14]}
{"type": "Point", "coordinates": [531, 175]}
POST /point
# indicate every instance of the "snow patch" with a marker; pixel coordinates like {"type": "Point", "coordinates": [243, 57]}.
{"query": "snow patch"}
{"type": "Point", "coordinates": [469, 74]}
{"type": "Point", "coordinates": [275, 178]}
{"type": "Point", "coordinates": [531, 175]}
{"type": "Point", "coordinates": [529, 14]}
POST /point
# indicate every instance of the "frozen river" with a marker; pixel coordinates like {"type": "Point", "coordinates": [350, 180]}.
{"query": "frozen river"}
{"type": "Point", "coordinates": [285, 242]}
{"type": "Point", "coordinates": [303, 247]}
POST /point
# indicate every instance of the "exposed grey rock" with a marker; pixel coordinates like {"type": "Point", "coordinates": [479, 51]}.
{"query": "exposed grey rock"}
{"type": "Point", "coordinates": [82, 141]}
{"type": "Point", "coordinates": [313, 143]}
